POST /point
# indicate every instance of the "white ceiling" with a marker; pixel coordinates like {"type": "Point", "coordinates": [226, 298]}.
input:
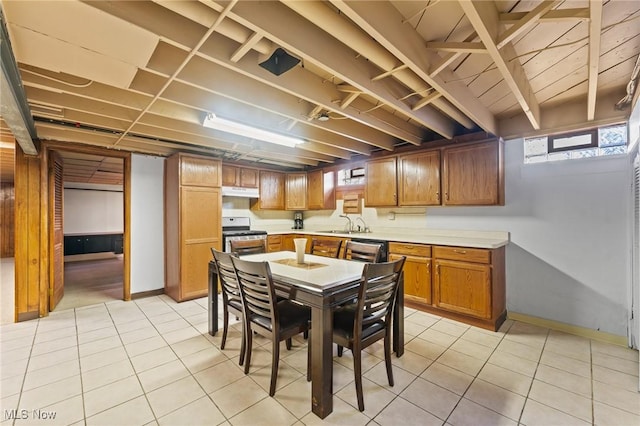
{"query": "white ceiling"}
{"type": "Point", "coordinates": [141, 75]}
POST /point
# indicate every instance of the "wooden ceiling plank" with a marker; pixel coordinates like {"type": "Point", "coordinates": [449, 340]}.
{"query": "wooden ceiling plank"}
{"type": "Point", "coordinates": [523, 24]}
{"type": "Point", "coordinates": [484, 18]}
{"type": "Point", "coordinates": [383, 22]}
{"type": "Point", "coordinates": [595, 27]}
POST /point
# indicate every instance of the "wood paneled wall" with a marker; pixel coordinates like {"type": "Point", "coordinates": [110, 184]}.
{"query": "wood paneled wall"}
{"type": "Point", "coordinates": [7, 219]}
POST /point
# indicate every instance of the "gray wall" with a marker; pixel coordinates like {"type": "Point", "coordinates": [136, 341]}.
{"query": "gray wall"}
{"type": "Point", "coordinates": [569, 257]}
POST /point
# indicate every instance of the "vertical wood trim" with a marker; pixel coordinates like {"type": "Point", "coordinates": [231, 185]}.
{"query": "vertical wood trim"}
{"type": "Point", "coordinates": [46, 257]}
{"type": "Point", "coordinates": [29, 275]}
{"type": "Point", "coordinates": [126, 276]}
{"type": "Point", "coordinates": [7, 219]}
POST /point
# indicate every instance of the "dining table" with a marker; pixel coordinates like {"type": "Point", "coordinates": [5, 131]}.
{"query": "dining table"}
{"type": "Point", "coordinates": [322, 283]}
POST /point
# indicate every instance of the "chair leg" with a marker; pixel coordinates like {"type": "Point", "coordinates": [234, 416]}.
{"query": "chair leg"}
{"type": "Point", "coordinates": [275, 357]}
{"type": "Point", "coordinates": [243, 346]}
{"type": "Point", "coordinates": [247, 360]}
{"type": "Point", "coordinates": [387, 357]}
{"type": "Point", "coordinates": [288, 343]}
{"type": "Point", "coordinates": [357, 373]}
{"type": "Point", "coordinates": [305, 335]}
{"type": "Point", "coordinates": [225, 327]}
{"type": "Point", "coordinates": [340, 349]}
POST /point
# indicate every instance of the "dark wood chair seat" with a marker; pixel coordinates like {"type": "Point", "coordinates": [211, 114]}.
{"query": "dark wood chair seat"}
{"type": "Point", "coordinates": [359, 325]}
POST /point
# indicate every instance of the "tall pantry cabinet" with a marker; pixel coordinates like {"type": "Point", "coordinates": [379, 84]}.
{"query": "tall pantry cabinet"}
{"type": "Point", "coordinates": [193, 215]}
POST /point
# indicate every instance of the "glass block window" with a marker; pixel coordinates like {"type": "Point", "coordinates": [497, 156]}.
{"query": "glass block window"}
{"type": "Point", "coordinates": [604, 141]}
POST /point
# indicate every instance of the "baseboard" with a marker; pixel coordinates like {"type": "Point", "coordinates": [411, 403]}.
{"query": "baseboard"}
{"type": "Point", "coordinates": [571, 329]}
{"type": "Point", "coordinates": [90, 256]}
{"type": "Point", "coordinates": [143, 294]}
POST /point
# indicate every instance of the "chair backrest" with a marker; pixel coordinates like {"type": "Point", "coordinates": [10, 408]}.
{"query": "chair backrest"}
{"type": "Point", "coordinates": [362, 252]}
{"type": "Point", "coordinates": [327, 248]}
{"type": "Point", "coordinates": [377, 293]}
{"type": "Point", "coordinates": [257, 292]}
{"type": "Point", "coordinates": [226, 274]}
{"type": "Point", "coordinates": [242, 247]}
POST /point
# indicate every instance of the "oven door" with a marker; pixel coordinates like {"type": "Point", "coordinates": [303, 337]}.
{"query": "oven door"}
{"type": "Point", "coordinates": [226, 240]}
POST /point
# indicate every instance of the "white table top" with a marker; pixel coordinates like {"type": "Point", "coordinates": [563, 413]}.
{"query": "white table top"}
{"type": "Point", "coordinates": [335, 273]}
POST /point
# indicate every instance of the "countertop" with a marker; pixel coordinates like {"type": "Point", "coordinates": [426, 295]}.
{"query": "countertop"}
{"type": "Point", "coordinates": [449, 237]}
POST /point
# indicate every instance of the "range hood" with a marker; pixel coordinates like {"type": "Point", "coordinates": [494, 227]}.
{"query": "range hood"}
{"type": "Point", "coordinates": [235, 191]}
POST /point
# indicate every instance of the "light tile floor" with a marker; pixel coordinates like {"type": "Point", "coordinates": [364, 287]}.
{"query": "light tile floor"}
{"type": "Point", "coordinates": [151, 361]}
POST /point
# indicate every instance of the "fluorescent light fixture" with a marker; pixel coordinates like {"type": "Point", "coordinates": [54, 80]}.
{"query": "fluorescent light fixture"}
{"type": "Point", "coordinates": [213, 122]}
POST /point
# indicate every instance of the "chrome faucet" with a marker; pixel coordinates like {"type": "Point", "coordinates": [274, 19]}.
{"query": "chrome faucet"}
{"type": "Point", "coordinates": [349, 224]}
{"type": "Point", "coordinates": [364, 224]}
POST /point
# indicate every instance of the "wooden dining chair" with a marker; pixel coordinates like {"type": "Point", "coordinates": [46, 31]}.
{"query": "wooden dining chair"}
{"type": "Point", "coordinates": [265, 315]}
{"type": "Point", "coordinates": [362, 252]}
{"type": "Point", "coordinates": [359, 325]}
{"type": "Point", "coordinates": [231, 300]}
{"type": "Point", "coordinates": [326, 248]}
{"type": "Point", "coordinates": [242, 247]}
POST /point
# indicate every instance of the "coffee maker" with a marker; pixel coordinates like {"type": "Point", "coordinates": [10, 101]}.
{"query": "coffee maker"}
{"type": "Point", "coordinates": [297, 220]}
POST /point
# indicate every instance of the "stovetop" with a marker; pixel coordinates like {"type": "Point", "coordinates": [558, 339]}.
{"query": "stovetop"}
{"type": "Point", "coordinates": [238, 225]}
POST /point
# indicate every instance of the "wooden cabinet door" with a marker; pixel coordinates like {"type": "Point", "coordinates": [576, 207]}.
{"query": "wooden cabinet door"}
{"type": "Point", "coordinates": [321, 190]}
{"type": "Point", "coordinates": [381, 187]}
{"type": "Point", "coordinates": [200, 171]}
{"type": "Point", "coordinates": [287, 242]}
{"type": "Point", "coordinates": [417, 277]}
{"type": "Point", "coordinates": [296, 193]}
{"type": "Point", "coordinates": [248, 178]}
{"type": "Point", "coordinates": [272, 190]}
{"type": "Point", "coordinates": [419, 179]}
{"type": "Point", "coordinates": [200, 229]}
{"type": "Point", "coordinates": [230, 175]}
{"type": "Point", "coordinates": [463, 287]}
{"type": "Point", "coordinates": [471, 175]}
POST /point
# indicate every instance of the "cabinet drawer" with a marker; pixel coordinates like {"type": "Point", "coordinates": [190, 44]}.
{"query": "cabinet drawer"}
{"type": "Point", "coordinates": [410, 249]}
{"type": "Point", "coordinates": [462, 253]}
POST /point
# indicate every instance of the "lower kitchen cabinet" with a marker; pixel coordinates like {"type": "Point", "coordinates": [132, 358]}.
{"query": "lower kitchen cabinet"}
{"type": "Point", "coordinates": [274, 243]}
{"type": "Point", "coordinates": [92, 243]}
{"type": "Point", "coordinates": [469, 283]}
{"type": "Point", "coordinates": [417, 270]}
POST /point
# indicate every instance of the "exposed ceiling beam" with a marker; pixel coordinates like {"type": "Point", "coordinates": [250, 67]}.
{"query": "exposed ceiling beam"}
{"type": "Point", "coordinates": [595, 27]}
{"type": "Point", "coordinates": [383, 22]}
{"type": "Point", "coordinates": [14, 109]}
{"type": "Point", "coordinates": [427, 100]}
{"type": "Point", "coordinates": [293, 32]}
{"type": "Point", "coordinates": [559, 15]}
{"type": "Point", "coordinates": [483, 16]}
{"type": "Point", "coordinates": [457, 46]}
{"type": "Point", "coordinates": [246, 46]}
{"type": "Point", "coordinates": [448, 59]}
{"type": "Point", "coordinates": [523, 24]}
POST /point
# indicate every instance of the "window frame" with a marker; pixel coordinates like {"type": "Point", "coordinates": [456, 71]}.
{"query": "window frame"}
{"type": "Point", "coordinates": [552, 138]}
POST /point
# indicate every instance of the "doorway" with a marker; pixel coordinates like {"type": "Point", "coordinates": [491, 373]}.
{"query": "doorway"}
{"type": "Point", "coordinates": [92, 266]}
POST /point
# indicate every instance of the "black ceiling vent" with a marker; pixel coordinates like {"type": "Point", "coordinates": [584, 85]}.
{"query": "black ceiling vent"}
{"type": "Point", "coordinates": [279, 62]}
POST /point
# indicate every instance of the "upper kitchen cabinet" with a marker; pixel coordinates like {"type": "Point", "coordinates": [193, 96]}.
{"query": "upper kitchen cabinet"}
{"type": "Point", "coordinates": [473, 174]}
{"type": "Point", "coordinates": [272, 192]}
{"type": "Point", "coordinates": [242, 177]}
{"type": "Point", "coordinates": [296, 192]}
{"type": "Point", "coordinates": [381, 187]}
{"type": "Point", "coordinates": [419, 179]}
{"type": "Point", "coordinates": [193, 215]}
{"type": "Point", "coordinates": [321, 194]}
{"type": "Point", "coordinates": [199, 171]}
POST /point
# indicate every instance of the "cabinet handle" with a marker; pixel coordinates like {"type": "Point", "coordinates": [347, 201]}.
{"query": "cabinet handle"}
{"type": "Point", "coordinates": [437, 269]}
{"type": "Point", "coordinates": [460, 251]}
{"type": "Point", "coordinates": [446, 196]}
{"type": "Point", "coordinates": [438, 195]}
